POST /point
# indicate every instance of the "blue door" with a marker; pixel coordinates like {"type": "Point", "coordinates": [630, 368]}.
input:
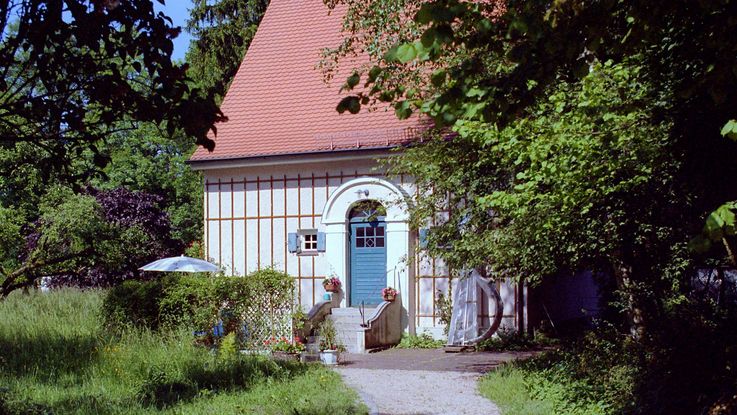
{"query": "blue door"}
{"type": "Point", "coordinates": [368, 262]}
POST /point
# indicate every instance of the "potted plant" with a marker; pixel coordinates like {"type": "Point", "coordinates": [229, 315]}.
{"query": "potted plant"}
{"type": "Point", "coordinates": [389, 294]}
{"type": "Point", "coordinates": [284, 349]}
{"type": "Point", "coordinates": [331, 284]}
{"type": "Point", "coordinates": [299, 318]}
{"type": "Point", "coordinates": [329, 347]}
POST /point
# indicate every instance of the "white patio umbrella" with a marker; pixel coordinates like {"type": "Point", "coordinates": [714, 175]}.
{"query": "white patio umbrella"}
{"type": "Point", "coordinates": [180, 264]}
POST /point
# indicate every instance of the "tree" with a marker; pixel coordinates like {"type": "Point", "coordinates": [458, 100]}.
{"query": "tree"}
{"type": "Point", "coordinates": [489, 71]}
{"type": "Point", "coordinates": [68, 76]}
{"type": "Point", "coordinates": [147, 160]}
{"type": "Point", "coordinates": [224, 30]}
{"type": "Point", "coordinates": [71, 229]}
{"type": "Point", "coordinates": [96, 239]}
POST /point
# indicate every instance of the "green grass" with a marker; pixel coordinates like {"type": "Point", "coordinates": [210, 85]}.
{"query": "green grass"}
{"type": "Point", "coordinates": [56, 357]}
{"type": "Point", "coordinates": [506, 387]}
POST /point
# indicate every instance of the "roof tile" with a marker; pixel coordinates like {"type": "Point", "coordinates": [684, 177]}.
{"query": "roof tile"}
{"type": "Point", "coordinates": [278, 102]}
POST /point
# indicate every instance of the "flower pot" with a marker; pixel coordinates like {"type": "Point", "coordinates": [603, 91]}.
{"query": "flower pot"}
{"type": "Point", "coordinates": [329, 357]}
{"type": "Point", "coordinates": [389, 297]}
{"type": "Point", "coordinates": [331, 288]}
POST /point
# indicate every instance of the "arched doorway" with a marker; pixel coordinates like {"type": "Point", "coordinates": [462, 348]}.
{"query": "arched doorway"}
{"type": "Point", "coordinates": [336, 220]}
{"type": "Point", "coordinates": [367, 241]}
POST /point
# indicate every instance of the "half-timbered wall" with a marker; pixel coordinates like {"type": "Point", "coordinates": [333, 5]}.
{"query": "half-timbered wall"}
{"type": "Point", "coordinates": [250, 210]}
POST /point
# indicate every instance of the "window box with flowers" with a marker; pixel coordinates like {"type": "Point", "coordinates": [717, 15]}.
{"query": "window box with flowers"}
{"type": "Point", "coordinates": [389, 294]}
{"type": "Point", "coordinates": [331, 284]}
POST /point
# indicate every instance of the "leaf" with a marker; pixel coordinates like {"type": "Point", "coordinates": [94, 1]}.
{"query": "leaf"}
{"type": "Point", "coordinates": [699, 244]}
{"type": "Point", "coordinates": [402, 110]}
{"type": "Point", "coordinates": [438, 78]}
{"type": "Point", "coordinates": [406, 53]}
{"type": "Point", "coordinates": [730, 130]}
{"type": "Point", "coordinates": [391, 54]}
{"type": "Point", "coordinates": [353, 80]}
{"type": "Point", "coordinates": [351, 104]}
{"type": "Point", "coordinates": [424, 15]}
{"type": "Point", "coordinates": [373, 74]}
{"type": "Point", "coordinates": [428, 38]}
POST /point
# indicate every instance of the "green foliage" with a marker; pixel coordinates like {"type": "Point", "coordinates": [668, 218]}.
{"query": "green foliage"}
{"type": "Point", "coordinates": [730, 130]}
{"type": "Point", "coordinates": [444, 307]}
{"type": "Point", "coordinates": [148, 160]}
{"type": "Point", "coordinates": [328, 335]}
{"type": "Point", "coordinates": [135, 303]}
{"type": "Point", "coordinates": [71, 232]}
{"type": "Point", "coordinates": [200, 302]}
{"type": "Point", "coordinates": [594, 375]}
{"type": "Point", "coordinates": [507, 387]}
{"type": "Point", "coordinates": [228, 348]}
{"type": "Point", "coordinates": [560, 189]}
{"type": "Point", "coordinates": [683, 367]}
{"type": "Point", "coordinates": [511, 340]}
{"type": "Point", "coordinates": [56, 357]}
{"type": "Point", "coordinates": [71, 82]}
{"type": "Point", "coordinates": [223, 30]}
{"type": "Point", "coordinates": [420, 341]}
{"type": "Point", "coordinates": [11, 243]}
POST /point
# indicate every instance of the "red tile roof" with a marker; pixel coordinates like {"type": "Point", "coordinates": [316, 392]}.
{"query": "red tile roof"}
{"type": "Point", "coordinates": [278, 102]}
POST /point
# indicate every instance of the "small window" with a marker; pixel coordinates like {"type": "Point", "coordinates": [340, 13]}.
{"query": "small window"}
{"type": "Point", "coordinates": [309, 242]}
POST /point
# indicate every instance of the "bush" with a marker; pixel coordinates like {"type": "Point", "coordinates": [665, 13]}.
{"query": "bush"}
{"type": "Point", "coordinates": [135, 303]}
{"type": "Point", "coordinates": [690, 363]}
{"type": "Point", "coordinates": [512, 340]}
{"type": "Point", "coordinates": [255, 307]}
{"type": "Point", "coordinates": [592, 375]}
{"type": "Point", "coordinates": [421, 341]}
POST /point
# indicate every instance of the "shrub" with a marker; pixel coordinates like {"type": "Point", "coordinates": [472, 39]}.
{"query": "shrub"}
{"type": "Point", "coordinates": [512, 340]}
{"type": "Point", "coordinates": [255, 307]}
{"type": "Point", "coordinates": [135, 303]}
{"type": "Point", "coordinates": [592, 375]}
{"type": "Point", "coordinates": [420, 341]}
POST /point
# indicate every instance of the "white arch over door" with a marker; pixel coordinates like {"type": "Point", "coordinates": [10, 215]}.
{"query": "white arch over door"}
{"type": "Point", "coordinates": [335, 220]}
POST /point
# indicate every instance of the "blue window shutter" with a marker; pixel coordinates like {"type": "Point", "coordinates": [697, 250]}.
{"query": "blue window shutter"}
{"type": "Point", "coordinates": [321, 242]}
{"type": "Point", "coordinates": [292, 240]}
{"type": "Point", "coordinates": [423, 238]}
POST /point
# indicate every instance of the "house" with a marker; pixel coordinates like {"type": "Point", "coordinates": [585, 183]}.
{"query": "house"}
{"type": "Point", "coordinates": [291, 181]}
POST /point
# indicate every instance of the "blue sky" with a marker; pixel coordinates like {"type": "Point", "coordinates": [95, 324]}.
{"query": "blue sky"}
{"type": "Point", "coordinates": [178, 10]}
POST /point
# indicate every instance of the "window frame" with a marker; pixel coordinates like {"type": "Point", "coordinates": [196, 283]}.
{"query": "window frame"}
{"type": "Point", "coordinates": [302, 241]}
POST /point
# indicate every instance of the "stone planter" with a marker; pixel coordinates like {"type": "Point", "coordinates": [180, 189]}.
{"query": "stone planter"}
{"type": "Point", "coordinates": [285, 356]}
{"type": "Point", "coordinates": [329, 357]}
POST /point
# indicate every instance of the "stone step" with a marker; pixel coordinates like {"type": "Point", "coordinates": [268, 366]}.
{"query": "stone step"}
{"type": "Point", "coordinates": [354, 325]}
{"type": "Point", "coordinates": [351, 311]}
{"type": "Point", "coordinates": [346, 323]}
{"type": "Point", "coordinates": [339, 322]}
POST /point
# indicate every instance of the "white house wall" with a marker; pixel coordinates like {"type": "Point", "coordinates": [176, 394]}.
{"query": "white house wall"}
{"type": "Point", "coordinates": [250, 210]}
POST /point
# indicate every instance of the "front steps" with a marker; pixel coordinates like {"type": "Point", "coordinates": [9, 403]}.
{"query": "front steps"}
{"type": "Point", "coordinates": [347, 322]}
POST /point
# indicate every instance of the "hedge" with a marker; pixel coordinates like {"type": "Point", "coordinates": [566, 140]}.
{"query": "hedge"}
{"type": "Point", "coordinates": [256, 307]}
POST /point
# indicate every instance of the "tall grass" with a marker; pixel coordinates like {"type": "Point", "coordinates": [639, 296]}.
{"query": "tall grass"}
{"type": "Point", "coordinates": [56, 357]}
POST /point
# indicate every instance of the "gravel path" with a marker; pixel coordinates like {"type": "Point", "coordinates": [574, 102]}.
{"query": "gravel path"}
{"type": "Point", "coordinates": [392, 391]}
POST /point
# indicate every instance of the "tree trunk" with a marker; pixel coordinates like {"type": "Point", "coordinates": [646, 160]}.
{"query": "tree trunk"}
{"type": "Point", "coordinates": [636, 311]}
{"type": "Point", "coordinates": [27, 274]}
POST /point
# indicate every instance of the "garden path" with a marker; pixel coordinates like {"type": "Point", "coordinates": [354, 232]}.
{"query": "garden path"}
{"type": "Point", "coordinates": [422, 381]}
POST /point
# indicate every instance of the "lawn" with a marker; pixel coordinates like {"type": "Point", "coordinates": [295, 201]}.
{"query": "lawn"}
{"type": "Point", "coordinates": [56, 357]}
{"type": "Point", "coordinates": [507, 388]}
